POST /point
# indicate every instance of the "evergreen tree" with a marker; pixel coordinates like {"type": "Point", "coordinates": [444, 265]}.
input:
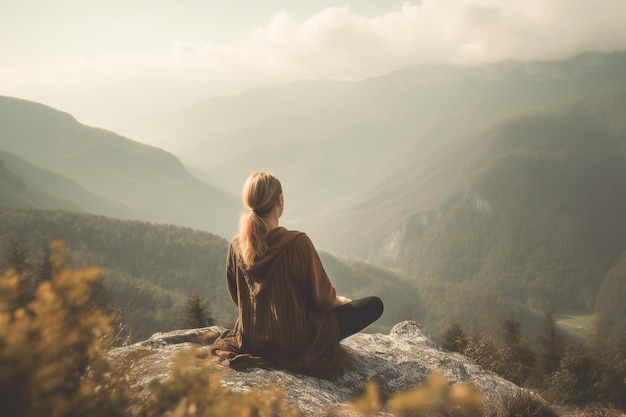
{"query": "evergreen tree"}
{"type": "Point", "coordinates": [43, 266]}
{"type": "Point", "coordinates": [517, 358]}
{"type": "Point", "coordinates": [455, 338]}
{"type": "Point", "coordinates": [196, 313]}
{"type": "Point", "coordinates": [551, 346]}
{"type": "Point", "coordinates": [16, 255]}
{"type": "Point", "coordinates": [574, 382]}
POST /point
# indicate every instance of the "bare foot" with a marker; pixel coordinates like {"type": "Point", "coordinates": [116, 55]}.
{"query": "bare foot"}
{"type": "Point", "coordinates": [222, 353]}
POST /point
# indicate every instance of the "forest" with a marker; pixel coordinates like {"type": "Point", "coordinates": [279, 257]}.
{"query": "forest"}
{"type": "Point", "coordinates": [151, 271]}
{"type": "Point", "coordinates": [59, 299]}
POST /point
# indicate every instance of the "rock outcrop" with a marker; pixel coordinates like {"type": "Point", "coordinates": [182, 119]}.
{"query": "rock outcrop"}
{"type": "Point", "coordinates": [397, 362]}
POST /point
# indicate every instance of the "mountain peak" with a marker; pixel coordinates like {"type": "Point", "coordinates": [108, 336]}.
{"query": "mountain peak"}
{"type": "Point", "coordinates": [577, 66]}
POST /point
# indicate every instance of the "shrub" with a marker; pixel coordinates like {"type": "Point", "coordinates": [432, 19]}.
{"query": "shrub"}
{"type": "Point", "coordinates": [194, 390]}
{"type": "Point", "coordinates": [195, 314]}
{"type": "Point", "coordinates": [51, 360]}
{"type": "Point", "coordinates": [437, 397]}
{"type": "Point", "coordinates": [525, 404]}
{"type": "Point", "coordinates": [455, 338]}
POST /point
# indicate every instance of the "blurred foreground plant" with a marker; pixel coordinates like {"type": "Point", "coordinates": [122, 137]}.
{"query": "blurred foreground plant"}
{"type": "Point", "coordinates": [51, 360]}
{"type": "Point", "coordinates": [194, 390]}
{"type": "Point", "coordinates": [435, 398]}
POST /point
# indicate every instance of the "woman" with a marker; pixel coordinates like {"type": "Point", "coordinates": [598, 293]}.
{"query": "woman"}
{"type": "Point", "coordinates": [289, 313]}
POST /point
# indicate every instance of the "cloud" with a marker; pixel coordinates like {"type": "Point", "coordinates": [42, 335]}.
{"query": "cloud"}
{"type": "Point", "coordinates": [338, 43]}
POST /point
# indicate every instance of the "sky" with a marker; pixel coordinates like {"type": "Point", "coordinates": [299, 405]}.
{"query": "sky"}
{"type": "Point", "coordinates": [57, 44]}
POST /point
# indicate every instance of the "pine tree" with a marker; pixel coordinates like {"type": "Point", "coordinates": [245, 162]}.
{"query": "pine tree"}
{"type": "Point", "coordinates": [196, 313]}
{"type": "Point", "coordinates": [517, 358]}
{"type": "Point", "coordinates": [551, 346]}
{"type": "Point", "coordinates": [455, 338]}
{"type": "Point", "coordinates": [43, 266]}
{"type": "Point", "coordinates": [16, 255]}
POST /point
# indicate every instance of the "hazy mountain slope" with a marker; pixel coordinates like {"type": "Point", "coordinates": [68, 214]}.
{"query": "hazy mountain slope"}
{"type": "Point", "coordinates": [113, 105]}
{"type": "Point", "coordinates": [530, 209]}
{"type": "Point", "coordinates": [210, 119]}
{"type": "Point", "coordinates": [151, 182]}
{"type": "Point", "coordinates": [154, 267]}
{"type": "Point", "coordinates": [48, 190]}
{"type": "Point", "coordinates": [167, 263]}
{"type": "Point", "coordinates": [13, 191]}
{"type": "Point", "coordinates": [375, 137]}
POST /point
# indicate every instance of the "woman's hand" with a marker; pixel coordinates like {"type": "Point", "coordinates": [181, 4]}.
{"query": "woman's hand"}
{"type": "Point", "coordinates": [341, 300]}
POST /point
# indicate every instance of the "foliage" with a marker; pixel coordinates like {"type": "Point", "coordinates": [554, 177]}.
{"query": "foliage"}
{"type": "Point", "coordinates": [536, 217]}
{"type": "Point", "coordinates": [565, 373]}
{"type": "Point", "coordinates": [196, 313]}
{"type": "Point", "coordinates": [194, 390]}
{"type": "Point", "coordinates": [527, 405]}
{"type": "Point", "coordinates": [148, 269]}
{"type": "Point", "coordinates": [51, 360]}
{"type": "Point", "coordinates": [436, 397]}
{"type": "Point", "coordinates": [551, 347]}
{"type": "Point", "coordinates": [516, 359]}
{"type": "Point", "coordinates": [455, 338]}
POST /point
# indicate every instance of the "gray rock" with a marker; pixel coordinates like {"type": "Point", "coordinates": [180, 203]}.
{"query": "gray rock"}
{"type": "Point", "coordinates": [399, 361]}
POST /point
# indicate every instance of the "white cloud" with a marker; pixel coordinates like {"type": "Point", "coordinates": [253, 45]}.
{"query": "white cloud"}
{"type": "Point", "coordinates": [337, 43]}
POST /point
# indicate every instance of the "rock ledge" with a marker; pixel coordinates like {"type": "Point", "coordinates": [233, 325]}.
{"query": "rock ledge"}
{"type": "Point", "coordinates": [398, 361]}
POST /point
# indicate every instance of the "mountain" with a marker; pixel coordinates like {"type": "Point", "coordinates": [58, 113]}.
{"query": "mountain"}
{"type": "Point", "coordinates": [13, 191]}
{"type": "Point", "coordinates": [375, 130]}
{"type": "Point", "coordinates": [28, 186]}
{"type": "Point", "coordinates": [148, 182]}
{"type": "Point", "coordinates": [151, 269]}
{"type": "Point", "coordinates": [503, 181]}
{"type": "Point", "coordinates": [213, 117]}
{"type": "Point", "coordinates": [114, 105]}
{"type": "Point", "coordinates": [529, 209]}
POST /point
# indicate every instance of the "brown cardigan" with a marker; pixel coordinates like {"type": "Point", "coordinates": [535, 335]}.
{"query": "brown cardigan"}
{"type": "Point", "coordinates": [285, 303]}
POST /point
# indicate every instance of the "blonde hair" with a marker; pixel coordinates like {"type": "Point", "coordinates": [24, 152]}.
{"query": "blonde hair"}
{"type": "Point", "coordinates": [260, 194]}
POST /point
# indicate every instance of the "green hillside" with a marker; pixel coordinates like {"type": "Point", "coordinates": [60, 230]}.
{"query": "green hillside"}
{"type": "Point", "coordinates": [377, 137]}
{"type": "Point", "coordinates": [536, 222]}
{"type": "Point", "coordinates": [496, 188]}
{"type": "Point", "coordinates": [152, 184]}
{"type": "Point", "coordinates": [13, 191]}
{"type": "Point", "coordinates": [166, 263]}
{"type": "Point", "coordinates": [156, 268]}
{"type": "Point", "coordinates": [28, 186]}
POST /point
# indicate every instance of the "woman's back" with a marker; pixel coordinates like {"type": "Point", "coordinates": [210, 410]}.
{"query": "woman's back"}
{"type": "Point", "coordinates": [285, 303]}
{"type": "Point", "coordinates": [289, 312]}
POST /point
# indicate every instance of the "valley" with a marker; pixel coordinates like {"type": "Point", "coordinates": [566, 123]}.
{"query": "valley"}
{"type": "Point", "coordinates": [492, 191]}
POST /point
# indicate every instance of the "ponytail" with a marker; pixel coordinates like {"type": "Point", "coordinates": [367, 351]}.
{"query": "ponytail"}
{"type": "Point", "coordinates": [260, 194]}
{"type": "Point", "coordinates": [251, 237]}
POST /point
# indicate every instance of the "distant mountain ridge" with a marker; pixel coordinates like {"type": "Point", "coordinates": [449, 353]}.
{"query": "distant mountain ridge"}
{"type": "Point", "coordinates": [147, 182]}
{"type": "Point", "coordinates": [542, 71]}
{"type": "Point", "coordinates": [367, 135]}
{"type": "Point", "coordinates": [530, 208]}
{"type": "Point", "coordinates": [34, 187]}
{"type": "Point", "coordinates": [404, 169]}
{"type": "Point", "coordinates": [501, 183]}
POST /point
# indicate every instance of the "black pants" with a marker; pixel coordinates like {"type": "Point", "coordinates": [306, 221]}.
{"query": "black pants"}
{"type": "Point", "coordinates": [357, 315]}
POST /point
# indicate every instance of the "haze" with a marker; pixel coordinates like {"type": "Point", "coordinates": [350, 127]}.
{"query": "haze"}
{"type": "Point", "coordinates": [475, 147]}
{"type": "Point", "coordinates": [54, 51]}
